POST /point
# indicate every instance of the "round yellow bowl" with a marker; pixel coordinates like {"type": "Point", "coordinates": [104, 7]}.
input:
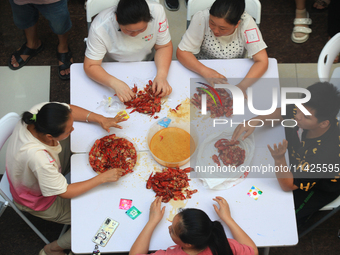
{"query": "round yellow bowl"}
{"type": "Point", "coordinates": [172, 146]}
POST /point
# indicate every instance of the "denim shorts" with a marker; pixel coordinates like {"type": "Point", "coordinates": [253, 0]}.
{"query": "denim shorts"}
{"type": "Point", "coordinates": [27, 15]}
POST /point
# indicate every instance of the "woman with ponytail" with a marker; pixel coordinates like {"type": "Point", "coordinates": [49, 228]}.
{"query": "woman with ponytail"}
{"type": "Point", "coordinates": [194, 233]}
{"type": "Point", "coordinates": [34, 169]}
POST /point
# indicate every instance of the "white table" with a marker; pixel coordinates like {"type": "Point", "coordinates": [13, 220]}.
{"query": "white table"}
{"type": "Point", "coordinates": [88, 94]}
{"type": "Point", "coordinates": [269, 221]}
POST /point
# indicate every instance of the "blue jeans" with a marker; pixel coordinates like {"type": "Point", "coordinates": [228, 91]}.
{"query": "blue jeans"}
{"type": "Point", "coordinates": [27, 15]}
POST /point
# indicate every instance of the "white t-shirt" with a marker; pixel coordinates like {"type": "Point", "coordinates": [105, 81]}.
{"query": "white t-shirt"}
{"type": "Point", "coordinates": [201, 41]}
{"type": "Point", "coordinates": [33, 168]}
{"type": "Point", "coordinates": [104, 37]}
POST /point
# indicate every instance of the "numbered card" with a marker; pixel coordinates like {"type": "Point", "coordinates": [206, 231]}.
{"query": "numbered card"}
{"type": "Point", "coordinates": [252, 35]}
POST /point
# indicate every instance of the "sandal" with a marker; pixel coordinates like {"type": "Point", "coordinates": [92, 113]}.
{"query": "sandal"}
{"type": "Point", "coordinates": [65, 58]}
{"type": "Point", "coordinates": [24, 50]}
{"type": "Point", "coordinates": [321, 5]}
{"type": "Point", "coordinates": [299, 29]}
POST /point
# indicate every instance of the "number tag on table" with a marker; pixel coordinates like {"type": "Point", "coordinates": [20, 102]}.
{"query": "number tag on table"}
{"type": "Point", "coordinates": [105, 232]}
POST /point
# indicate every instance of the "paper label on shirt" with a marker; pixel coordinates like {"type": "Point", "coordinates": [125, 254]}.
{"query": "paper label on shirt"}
{"type": "Point", "coordinates": [163, 26]}
{"type": "Point", "coordinates": [252, 35]}
{"type": "Point", "coordinates": [49, 157]}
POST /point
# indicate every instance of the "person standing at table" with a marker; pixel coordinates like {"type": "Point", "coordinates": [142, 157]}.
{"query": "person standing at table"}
{"type": "Point", "coordinates": [134, 30]}
{"type": "Point", "coordinates": [194, 233]}
{"type": "Point", "coordinates": [313, 147]}
{"type": "Point", "coordinates": [34, 168]}
{"type": "Point", "coordinates": [225, 31]}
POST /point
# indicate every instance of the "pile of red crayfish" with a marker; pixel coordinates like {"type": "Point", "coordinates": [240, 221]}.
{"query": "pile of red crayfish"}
{"type": "Point", "coordinates": [145, 101]}
{"type": "Point", "coordinates": [171, 183]}
{"type": "Point", "coordinates": [216, 109]}
{"type": "Point", "coordinates": [229, 153]}
{"type": "Point", "coordinates": [112, 152]}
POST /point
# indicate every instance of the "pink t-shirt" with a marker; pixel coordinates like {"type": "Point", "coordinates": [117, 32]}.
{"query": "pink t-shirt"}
{"type": "Point", "coordinates": [236, 248]}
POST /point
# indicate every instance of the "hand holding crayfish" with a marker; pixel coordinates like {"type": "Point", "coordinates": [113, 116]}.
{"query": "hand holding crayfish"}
{"type": "Point", "coordinates": [123, 91]}
{"type": "Point", "coordinates": [112, 175]}
{"type": "Point", "coordinates": [106, 123]}
{"type": "Point", "coordinates": [161, 87]}
{"type": "Point", "coordinates": [213, 77]}
{"type": "Point", "coordinates": [156, 213]}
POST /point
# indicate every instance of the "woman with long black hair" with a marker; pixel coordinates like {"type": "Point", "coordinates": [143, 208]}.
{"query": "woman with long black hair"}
{"type": "Point", "coordinates": [194, 233]}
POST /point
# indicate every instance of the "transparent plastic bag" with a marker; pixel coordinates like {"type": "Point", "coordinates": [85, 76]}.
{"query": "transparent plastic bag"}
{"type": "Point", "coordinates": [112, 105]}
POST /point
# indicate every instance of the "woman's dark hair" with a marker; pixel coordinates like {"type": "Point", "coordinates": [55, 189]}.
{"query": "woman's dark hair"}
{"type": "Point", "coordinates": [133, 11]}
{"type": "Point", "coordinates": [230, 10]}
{"type": "Point", "coordinates": [50, 119]}
{"type": "Point", "coordinates": [196, 228]}
{"type": "Point", "coordinates": [325, 100]}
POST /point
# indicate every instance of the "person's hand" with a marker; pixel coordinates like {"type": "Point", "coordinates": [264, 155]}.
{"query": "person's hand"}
{"type": "Point", "coordinates": [161, 87]}
{"type": "Point", "coordinates": [106, 123]}
{"type": "Point", "coordinates": [244, 89]}
{"type": "Point", "coordinates": [243, 128]}
{"type": "Point", "coordinates": [156, 213]}
{"type": "Point", "coordinates": [223, 211]}
{"type": "Point", "coordinates": [214, 77]}
{"type": "Point", "coordinates": [112, 175]}
{"type": "Point", "coordinates": [123, 91]}
{"type": "Point", "coordinates": [278, 153]}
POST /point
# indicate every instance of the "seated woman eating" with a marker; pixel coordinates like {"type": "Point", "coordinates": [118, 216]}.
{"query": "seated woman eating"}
{"type": "Point", "coordinates": [34, 168]}
{"type": "Point", "coordinates": [225, 31]}
{"type": "Point", "coordinates": [134, 30]}
{"type": "Point", "coordinates": [194, 233]}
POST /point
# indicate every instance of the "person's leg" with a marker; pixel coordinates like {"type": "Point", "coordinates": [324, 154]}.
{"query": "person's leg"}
{"type": "Point", "coordinates": [26, 17]}
{"type": "Point", "coordinates": [59, 20]}
{"type": "Point", "coordinates": [63, 48]}
{"type": "Point", "coordinates": [333, 18]}
{"type": "Point", "coordinates": [334, 21]}
{"type": "Point", "coordinates": [60, 212]}
{"type": "Point", "coordinates": [300, 12]}
{"type": "Point", "coordinates": [308, 202]}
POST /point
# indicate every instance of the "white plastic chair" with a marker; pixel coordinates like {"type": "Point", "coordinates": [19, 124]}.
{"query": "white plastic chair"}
{"type": "Point", "coordinates": [253, 8]}
{"type": "Point", "coordinates": [7, 124]}
{"type": "Point", "coordinates": [93, 7]}
{"type": "Point", "coordinates": [326, 58]}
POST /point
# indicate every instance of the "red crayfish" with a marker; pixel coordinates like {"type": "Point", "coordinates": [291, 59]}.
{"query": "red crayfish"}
{"type": "Point", "coordinates": [171, 183]}
{"type": "Point", "coordinates": [145, 101]}
{"type": "Point", "coordinates": [216, 109]}
{"type": "Point", "coordinates": [229, 153]}
{"type": "Point", "coordinates": [112, 152]}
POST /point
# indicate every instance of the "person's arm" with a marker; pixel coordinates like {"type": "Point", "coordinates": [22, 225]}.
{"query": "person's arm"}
{"type": "Point", "coordinates": [163, 58]}
{"type": "Point", "coordinates": [189, 60]}
{"type": "Point", "coordinates": [141, 245]}
{"type": "Point", "coordinates": [239, 235]}
{"type": "Point", "coordinates": [81, 114]}
{"type": "Point", "coordinates": [96, 72]}
{"type": "Point", "coordinates": [284, 177]}
{"type": "Point", "coordinates": [266, 119]}
{"type": "Point", "coordinates": [256, 71]}
{"type": "Point", "coordinates": [78, 188]}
